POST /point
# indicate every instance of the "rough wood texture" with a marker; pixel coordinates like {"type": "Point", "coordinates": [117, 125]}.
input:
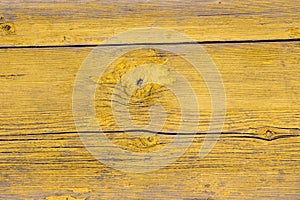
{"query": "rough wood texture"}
{"type": "Point", "coordinates": [257, 154]}
{"type": "Point", "coordinates": [261, 83]}
{"type": "Point", "coordinates": [38, 23]}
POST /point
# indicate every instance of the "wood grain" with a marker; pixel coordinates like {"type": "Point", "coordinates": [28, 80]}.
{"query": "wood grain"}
{"type": "Point", "coordinates": [56, 23]}
{"type": "Point", "coordinates": [255, 46]}
{"type": "Point", "coordinates": [42, 156]}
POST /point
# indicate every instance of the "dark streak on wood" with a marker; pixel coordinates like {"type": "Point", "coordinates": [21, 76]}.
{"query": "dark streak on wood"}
{"type": "Point", "coordinates": [280, 133]}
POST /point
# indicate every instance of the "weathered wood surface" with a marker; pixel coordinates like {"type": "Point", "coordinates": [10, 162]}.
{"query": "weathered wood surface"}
{"type": "Point", "coordinates": [257, 154]}
{"type": "Point", "coordinates": [261, 82]}
{"type": "Point", "coordinates": [38, 23]}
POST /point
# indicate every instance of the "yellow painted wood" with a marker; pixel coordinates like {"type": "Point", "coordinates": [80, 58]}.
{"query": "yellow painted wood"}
{"type": "Point", "coordinates": [40, 82]}
{"type": "Point", "coordinates": [257, 156]}
{"type": "Point", "coordinates": [38, 23]}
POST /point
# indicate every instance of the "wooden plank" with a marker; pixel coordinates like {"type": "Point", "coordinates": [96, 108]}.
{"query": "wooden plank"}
{"type": "Point", "coordinates": [42, 156]}
{"type": "Point", "coordinates": [56, 166]}
{"type": "Point", "coordinates": [40, 23]}
{"type": "Point", "coordinates": [37, 85]}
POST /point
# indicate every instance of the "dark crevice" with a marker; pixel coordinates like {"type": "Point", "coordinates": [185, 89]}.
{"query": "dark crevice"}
{"type": "Point", "coordinates": [142, 44]}
{"type": "Point", "coordinates": [11, 75]}
{"type": "Point", "coordinates": [262, 138]}
{"type": "Point", "coordinates": [242, 135]}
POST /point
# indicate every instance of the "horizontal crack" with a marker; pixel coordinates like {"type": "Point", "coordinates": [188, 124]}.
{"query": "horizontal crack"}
{"type": "Point", "coordinates": [248, 135]}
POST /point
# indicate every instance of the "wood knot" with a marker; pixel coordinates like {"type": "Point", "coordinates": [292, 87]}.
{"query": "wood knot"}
{"type": "Point", "coordinates": [138, 144]}
{"type": "Point", "coordinates": [7, 27]}
{"type": "Point", "coordinates": [269, 134]}
{"type": "Point", "coordinates": [142, 80]}
{"type": "Point", "coordinates": [274, 133]}
{"type": "Point", "coordinates": [148, 141]}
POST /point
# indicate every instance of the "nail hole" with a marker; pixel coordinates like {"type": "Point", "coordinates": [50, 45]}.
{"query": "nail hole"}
{"type": "Point", "coordinates": [139, 82]}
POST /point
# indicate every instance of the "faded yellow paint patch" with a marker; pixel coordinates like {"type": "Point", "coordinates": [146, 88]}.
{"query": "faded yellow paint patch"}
{"type": "Point", "coordinates": [144, 80]}
{"type": "Point", "coordinates": [68, 197]}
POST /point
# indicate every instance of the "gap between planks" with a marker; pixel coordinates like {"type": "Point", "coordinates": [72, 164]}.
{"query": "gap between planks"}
{"type": "Point", "coordinates": [142, 44]}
